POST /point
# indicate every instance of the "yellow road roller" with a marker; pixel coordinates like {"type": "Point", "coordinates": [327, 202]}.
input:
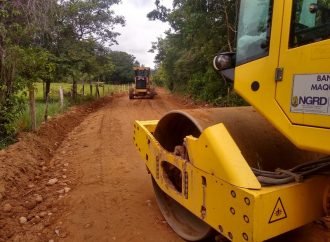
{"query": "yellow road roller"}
{"type": "Point", "coordinates": [252, 173]}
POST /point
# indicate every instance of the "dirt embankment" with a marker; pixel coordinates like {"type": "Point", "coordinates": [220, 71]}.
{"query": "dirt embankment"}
{"type": "Point", "coordinates": [29, 201]}
{"type": "Point", "coordinates": [38, 175]}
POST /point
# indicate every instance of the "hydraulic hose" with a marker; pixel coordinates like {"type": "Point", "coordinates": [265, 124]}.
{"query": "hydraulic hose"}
{"type": "Point", "coordinates": [295, 174]}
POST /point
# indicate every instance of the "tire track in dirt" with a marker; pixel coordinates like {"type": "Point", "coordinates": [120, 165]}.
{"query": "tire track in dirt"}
{"type": "Point", "coordinates": [113, 199]}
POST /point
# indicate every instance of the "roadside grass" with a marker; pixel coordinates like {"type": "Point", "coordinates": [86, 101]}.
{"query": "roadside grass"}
{"type": "Point", "coordinates": [54, 106]}
{"type": "Point", "coordinates": [104, 90]}
{"type": "Point", "coordinates": [24, 123]}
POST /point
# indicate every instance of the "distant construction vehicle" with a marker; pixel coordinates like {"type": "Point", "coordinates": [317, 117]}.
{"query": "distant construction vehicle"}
{"type": "Point", "coordinates": [142, 84]}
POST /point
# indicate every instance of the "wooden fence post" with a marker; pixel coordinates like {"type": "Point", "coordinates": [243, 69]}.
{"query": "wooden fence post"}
{"type": "Point", "coordinates": [74, 88]}
{"type": "Point", "coordinates": [61, 97]}
{"type": "Point", "coordinates": [32, 104]}
{"type": "Point", "coordinates": [97, 93]}
{"type": "Point", "coordinates": [46, 109]}
{"type": "Point", "coordinates": [43, 90]}
{"type": "Point", "coordinates": [90, 88]}
{"type": "Point", "coordinates": [83, 87]}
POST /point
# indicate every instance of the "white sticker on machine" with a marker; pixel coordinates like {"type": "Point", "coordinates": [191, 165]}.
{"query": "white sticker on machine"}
{"type": "Point", "coordinates": [311, 94]}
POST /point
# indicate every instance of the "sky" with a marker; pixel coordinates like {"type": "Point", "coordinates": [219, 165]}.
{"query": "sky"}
{"type": "Point", "coordinates": [138, 33]}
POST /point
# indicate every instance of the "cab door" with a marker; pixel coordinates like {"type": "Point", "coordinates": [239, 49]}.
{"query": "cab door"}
{"type": "Point", "coordinates": [303, 76]}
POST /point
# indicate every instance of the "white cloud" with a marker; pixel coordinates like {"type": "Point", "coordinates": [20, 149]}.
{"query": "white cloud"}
{"type": "Point", "coordinates": [139, 32]}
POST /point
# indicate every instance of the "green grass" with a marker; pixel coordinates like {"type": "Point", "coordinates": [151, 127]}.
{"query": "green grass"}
{"type": "Point", "coordinates": [54, 90]}
{"type": "Point", "coordinates": [24, 123]}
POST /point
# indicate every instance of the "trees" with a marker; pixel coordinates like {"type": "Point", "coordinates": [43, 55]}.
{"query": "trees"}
{"type": "Point", "coordinates": [199, 29]}
{"type": "Point", "coordinates": [124, 63]}
{"type": "Point", "coordinates": [91, 19]}
{"type": "Point", "coordinates": [82, 32]}
{"type": "Point", "coordinates": [50, 40]}
{"type": "Point", "coordinates": [18, 35]}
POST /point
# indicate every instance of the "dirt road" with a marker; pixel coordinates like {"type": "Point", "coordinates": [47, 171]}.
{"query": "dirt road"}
{"type": "Point", "coordinates": [114, 200]}
{"type": "Point", "coordinates": [102, 191]}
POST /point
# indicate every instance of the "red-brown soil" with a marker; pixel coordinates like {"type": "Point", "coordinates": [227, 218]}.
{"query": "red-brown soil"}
{"type": "Point", "coordinates": [103, 192]}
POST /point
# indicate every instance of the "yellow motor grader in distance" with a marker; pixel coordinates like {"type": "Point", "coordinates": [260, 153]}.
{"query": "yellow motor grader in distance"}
{"type": "Point", "coordinates": [142, 84]}
{"type": "Point", "coordinates": [252, 173]}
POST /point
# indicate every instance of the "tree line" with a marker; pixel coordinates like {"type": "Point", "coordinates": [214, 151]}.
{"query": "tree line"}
{"type": "Point", "coordinates": [199, 30]}
{"type": "Point", "coordinates": [52, 41]}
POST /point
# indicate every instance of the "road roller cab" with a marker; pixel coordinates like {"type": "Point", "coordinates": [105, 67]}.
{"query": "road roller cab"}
{"type": "Point", "coordinates": [252, 173]}
{"type": "Point", "coordinates": [281, 66]}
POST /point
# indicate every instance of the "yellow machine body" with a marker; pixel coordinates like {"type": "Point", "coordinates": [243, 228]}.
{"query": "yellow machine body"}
{"type": "Point", "coordinates": [232, 202]}
{"type": "Point", "coordinates": [216, 182]}
{"type": "Point", "coordinates": [273, 99]}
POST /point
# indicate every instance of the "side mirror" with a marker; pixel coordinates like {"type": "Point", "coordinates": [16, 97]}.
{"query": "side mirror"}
{"type": "Point", "coordinates": [224, 61]}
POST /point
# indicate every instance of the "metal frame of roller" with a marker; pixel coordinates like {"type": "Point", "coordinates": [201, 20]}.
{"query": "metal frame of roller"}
{"type": "Point", "coordinates": [219, 187]}
{"type": "Point", "coordinates": [205, 163]}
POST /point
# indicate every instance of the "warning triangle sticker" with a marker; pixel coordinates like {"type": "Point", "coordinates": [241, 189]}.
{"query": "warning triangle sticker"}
{"type": "Point", "coordinates": [278, 212]}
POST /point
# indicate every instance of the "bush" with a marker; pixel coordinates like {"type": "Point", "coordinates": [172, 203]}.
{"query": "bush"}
{"type": "Point", "coordinates": [211, 88]}
{"type": "Point", "coordinates": [206, 87]}
{"type": "Point", "coordinates": [10, 111]}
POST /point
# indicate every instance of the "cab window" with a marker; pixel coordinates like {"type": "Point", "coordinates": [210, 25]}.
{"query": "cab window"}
{"type": "Point", "coordinates": [140, 73]}
{"type": "Point", "coordinates": [254, 26]}
{"type": "Point", "coordinates": [310, 22]}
